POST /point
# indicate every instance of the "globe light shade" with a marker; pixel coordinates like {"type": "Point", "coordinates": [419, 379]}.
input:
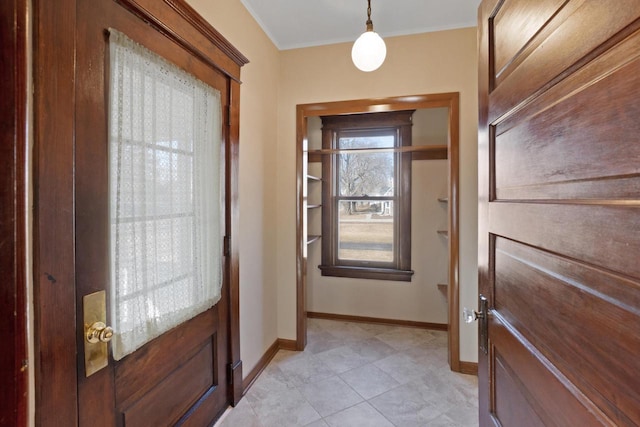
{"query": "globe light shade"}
{"type": "Point", "coordinates": [369, 51]}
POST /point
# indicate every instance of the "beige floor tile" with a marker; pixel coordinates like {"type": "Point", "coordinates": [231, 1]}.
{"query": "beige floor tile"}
{"type": "Point", "coordinates": [319, 423]}
{"type": "Point", "coordinates": [272, 380]}
{"type": "Point", "coordinates": [305, 370]}
{"type": "Point", "coordinates": [350, 332]}
{"type": "Point", "coordinates": [284, 409]}
{"type": "Point", "coordinates": [403, 406]}
{"type": "Point", "coordinates": [360, 375]}
{"type": "Point", "coordinates": [330, 396]}
{"type": "Point", "coordinates": [362, 415]}
{"type": "Point", "coordinates": [402, 368]}
{"type": "Point", "coordinates": [372, 349]}
{"type": "Point", "coordinates": [342, 359]}
{"type": "Point", "coordinates": [369, 381]}
{"type": "Point", "coordinates": [322, 341]}
{"type": "Point", "coordinates": [463, 415]}
{"type": "Point", "coordinates": [241, 415]}
{"type": "Point", "coordinates": [377, 328]}
{"type": "Point", "coordinates": [405, 338]}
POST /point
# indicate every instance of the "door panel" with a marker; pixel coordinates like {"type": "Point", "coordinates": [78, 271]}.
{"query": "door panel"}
{"type": "Point", "coordinates": [526, 383]}
{"type": "Point", "coordinates": [530, 165]}
{"type": "Point", "coordinates": [597, 234]}
{"type": "Point", "coordinates": [512, 407]}
{"type": "Point", "coordinates": [579, 338]}
{"type": "Point", "coordinates": [174, 349]}
{"type": "Point", "coordinates": [512, 33]}
{"type": "Point", "coordinates": [559, 214]}
{"type": "Point", "coordinates": [181, 376]}
{"type": "Point", "coordinates": [180, 389]}
{"type": "Point", "coordinates": [576, 31]}
{"type": "Point", "coordinates": [180, 361]}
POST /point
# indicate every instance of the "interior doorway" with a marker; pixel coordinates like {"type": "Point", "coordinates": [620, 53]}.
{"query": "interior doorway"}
{"type": "Point", "coordinates": [449, 101]}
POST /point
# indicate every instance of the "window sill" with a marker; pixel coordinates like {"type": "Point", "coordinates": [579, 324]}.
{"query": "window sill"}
{"type": "Point", "coordinates": [366, 273]}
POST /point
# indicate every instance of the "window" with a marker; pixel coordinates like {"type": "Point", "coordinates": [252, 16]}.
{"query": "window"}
{"type": "Point", "coordinates": [165, 195]}
{"type": "Point", "coordinates": [366, 206]}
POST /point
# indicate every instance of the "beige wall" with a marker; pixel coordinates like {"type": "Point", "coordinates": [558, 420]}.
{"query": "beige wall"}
{"type": "Point", "coordinates": [258, 165]}
{"type": "Point", "coordinates": [444, 61]}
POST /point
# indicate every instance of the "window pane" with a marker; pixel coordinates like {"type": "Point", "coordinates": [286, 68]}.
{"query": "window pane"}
{"type": "Point", "coordinates": [366, 174]}
{"type": "Point", "coordinates": [365, 230]}
{"type": "Point", "coordinates": [363, 139]}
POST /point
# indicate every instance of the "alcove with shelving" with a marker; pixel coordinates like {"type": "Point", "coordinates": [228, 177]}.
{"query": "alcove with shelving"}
{"type": "Point", "coordinates": [431, 297]}
{"type": "Point", "coordinates": [429, 198]}
{"type": "Point", "coordinates": [314, 194]}
{"type": "Point", "coordinates": [314, 183]}
{"type": "Point", "coordinates": [443, 287]}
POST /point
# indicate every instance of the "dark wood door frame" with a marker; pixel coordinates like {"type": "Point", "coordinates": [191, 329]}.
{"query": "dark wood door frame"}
{"type": "Point", "coordinates": [54, 29]}
{"type": "Point", "coordinates": [13, 188]}
{"type": "Point", "coordinates": [441, 100]}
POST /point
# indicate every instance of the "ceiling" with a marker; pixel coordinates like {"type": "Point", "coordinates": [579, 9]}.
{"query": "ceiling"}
{"type": "Point", "coordinates": [301, 23]}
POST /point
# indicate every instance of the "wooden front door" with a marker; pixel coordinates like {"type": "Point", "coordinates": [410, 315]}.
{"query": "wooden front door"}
{"type": "Point", "coordinates": [559, 242]}
{"type": "Point", "coordinates": [190, 374]}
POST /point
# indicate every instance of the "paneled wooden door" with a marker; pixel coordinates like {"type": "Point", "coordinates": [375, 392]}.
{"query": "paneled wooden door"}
{"type": "Point", "coordinates": [559, 242]}
{"type": "Point", "coordinates": [183, 376]}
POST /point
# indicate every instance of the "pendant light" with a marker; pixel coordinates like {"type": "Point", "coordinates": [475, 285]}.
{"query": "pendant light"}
{"type": "Point", "coordinates": [369, 51]}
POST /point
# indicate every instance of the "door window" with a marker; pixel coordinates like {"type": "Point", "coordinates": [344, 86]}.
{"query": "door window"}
{"type": "Point", "coordinates": [165, 195]}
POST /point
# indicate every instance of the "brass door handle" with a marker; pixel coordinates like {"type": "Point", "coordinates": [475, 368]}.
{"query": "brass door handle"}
{"type": "Point", "coordinates": [99, 332]}
{"type": "Point", "coordinates": [96, 333]}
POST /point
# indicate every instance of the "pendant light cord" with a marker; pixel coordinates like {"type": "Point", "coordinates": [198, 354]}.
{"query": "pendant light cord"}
{"type": "Point", "coordinates": [369, 22]}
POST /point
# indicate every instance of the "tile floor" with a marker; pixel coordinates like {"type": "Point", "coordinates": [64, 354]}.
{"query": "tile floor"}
{"type": "Point", "coordinates": [360, 375]}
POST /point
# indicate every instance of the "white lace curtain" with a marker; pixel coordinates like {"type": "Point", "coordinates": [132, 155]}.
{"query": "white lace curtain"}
{"type": "Point", "coordinates": [165, 195]}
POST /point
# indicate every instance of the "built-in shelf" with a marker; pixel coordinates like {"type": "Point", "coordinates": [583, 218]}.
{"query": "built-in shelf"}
{"type": "Point", "coordinates": [445, 233]}
{"type": "Point", "coordinates": [312, 238]}
{"type": "Point", "coordinates": [444, 288]}
{"type": "Point", "coordinates": [418, 152]}
{"type": "Point", "coordinates": [313, 179]}
{"type": "Point", "coordinates": [443, 199]}
{"type": "Point", "coordinates": [314, 157]}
